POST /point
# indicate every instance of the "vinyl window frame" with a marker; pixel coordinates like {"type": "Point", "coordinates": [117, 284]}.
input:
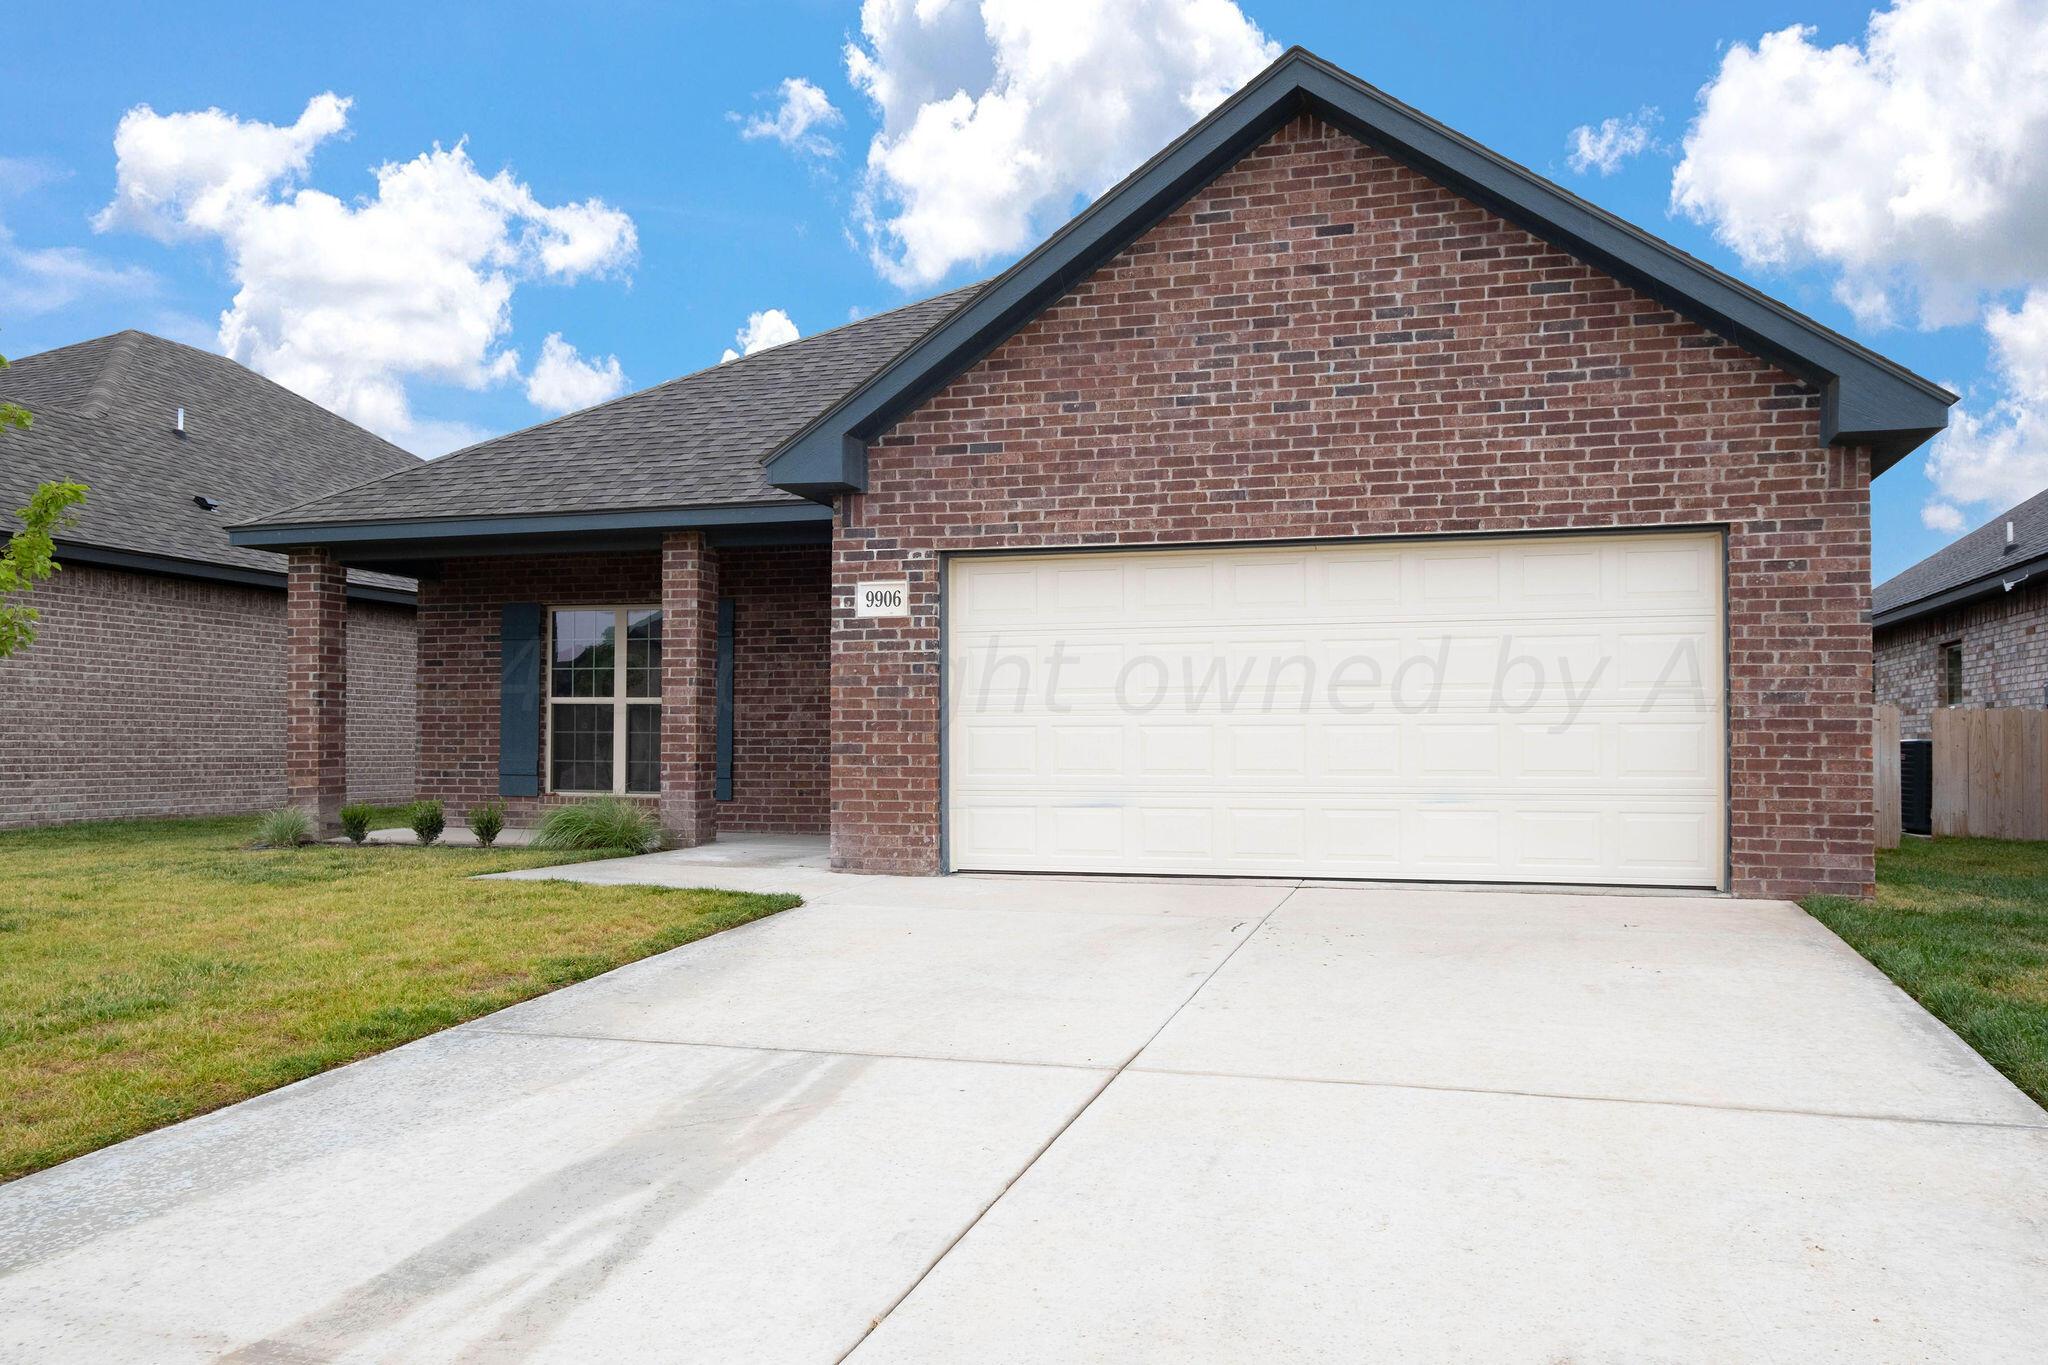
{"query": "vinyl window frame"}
{"type": "Point", "coordinates": [619, 700]}
{"type": "Point", "coordinates": [1950, 662]}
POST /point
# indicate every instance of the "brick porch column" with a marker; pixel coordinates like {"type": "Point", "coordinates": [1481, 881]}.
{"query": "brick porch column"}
{"type": "Point", "coordinates": [689, 689]}
{"type": "Point", "coordinates": [316, 685]}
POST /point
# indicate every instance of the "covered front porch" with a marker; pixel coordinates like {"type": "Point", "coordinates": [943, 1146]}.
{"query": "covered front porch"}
{"type": "Point", "coordinates": [684, 667]}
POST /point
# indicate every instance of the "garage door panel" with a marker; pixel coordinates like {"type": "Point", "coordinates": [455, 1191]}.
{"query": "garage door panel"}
{"type": "Point", "coordinates": [1673, 570]}
{"type": "Point", "coordinates": [1086, 750]}
{"type": "Point", "coordinates": [996, 831]}
{"type": "Point", "coordinates": [1355, 750]}
{"type": "Point", "coordinates": [1268, 750]}
{"type": "Point", "coordinates": [1173, 833]}
{"type": "Point", "coordinates": [1550, 753]}
{"type": "Point", "coordinates": [999, 594]}
{"type": "Point", "coordinates": [1573, 842]}
{"type": "Point", "coordinates": [1176, 751]}
{"type": "Point", "coordinates": [1544, 709]}
{"type": "Point", "coordinates": [1262, 584]}
{"type": "Point", "coordinates": [1559, 577]}
{"type": "Point", "coordinates": [1003, 751]}
{"type": "Point", "coordinates": [1618, 751]}
{"type": "Point", "coordinates": [1502, 838]}
{"type": "Point", "coordinates": [1485, 666]}
{"type": "Point", "coordinates": [1357, 580]}
{"type": "Point", "coordinates": [1088, 591]}
{"type": "Point", "coordinates": [1364, 839]}
{"type": "Point", "coordinates": [1175, 590]}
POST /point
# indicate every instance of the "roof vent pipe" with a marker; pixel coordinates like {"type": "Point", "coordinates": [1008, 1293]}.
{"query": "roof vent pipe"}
{"type": "Point", "coordinates": [180, 427]}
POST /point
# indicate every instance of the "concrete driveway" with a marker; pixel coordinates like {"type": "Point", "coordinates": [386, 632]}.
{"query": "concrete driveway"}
{"type": "Point", "coordinates": [1061, 1120]}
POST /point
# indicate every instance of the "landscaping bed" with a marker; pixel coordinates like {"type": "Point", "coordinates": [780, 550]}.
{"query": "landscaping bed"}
{"type": "Point", "coordinates": [153, 970]}
{"type": "Point", "coordinates": [1962, 926]}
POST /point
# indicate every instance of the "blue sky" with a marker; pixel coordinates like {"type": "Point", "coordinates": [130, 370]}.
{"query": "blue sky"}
{"type": "Point", "coordinates": [641, 106]}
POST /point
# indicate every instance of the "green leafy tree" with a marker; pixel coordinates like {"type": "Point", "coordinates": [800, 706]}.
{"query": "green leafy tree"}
{"type": "Point", "coordinates": [12, 414]}
{"type": "Point", "coordinates": [28, 557]}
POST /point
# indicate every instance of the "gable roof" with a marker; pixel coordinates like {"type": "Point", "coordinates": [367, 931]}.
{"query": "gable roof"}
{"type": "Point", "coordinates": [1975, 566]}
{"type": "Point", "coordinates": [1866, 399]}
{"type": "Point", "coordinates": [105, 413]}
{"type": "Point", "coordinates": [765, 438]}
{"type": "Point", "coordinates": [692, 443]}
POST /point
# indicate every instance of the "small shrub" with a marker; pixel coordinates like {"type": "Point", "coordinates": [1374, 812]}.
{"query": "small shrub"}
{"type": "Point", "coordinates": [427, 821]}
{"type": "Point", "coordinates": [605, 822]}
{"type": "Point", "coordinates": [287, 827]}
{"type": "Point", "coordinates": [355, 820]}
{"type": "Point", "coordinates": [487, 821]}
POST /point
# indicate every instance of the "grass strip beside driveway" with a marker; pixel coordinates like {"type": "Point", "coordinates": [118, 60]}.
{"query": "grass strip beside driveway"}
{"type": "Point", "coordinates": [1962, 926]}
{"type": "Point", "coordinates": [153, 970]}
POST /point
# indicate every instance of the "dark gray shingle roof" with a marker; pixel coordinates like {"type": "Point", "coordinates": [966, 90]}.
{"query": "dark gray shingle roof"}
{"type": "Point", "coordinates": [697, 441]}
{"type": "Point", "coordinates": [1982, 554]}
{"type": "Point", "coordinates": [104, 416]}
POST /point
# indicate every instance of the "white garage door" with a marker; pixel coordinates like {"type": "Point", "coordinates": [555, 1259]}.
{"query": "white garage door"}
{"type": "Point", "coordinates": [1537, 709]}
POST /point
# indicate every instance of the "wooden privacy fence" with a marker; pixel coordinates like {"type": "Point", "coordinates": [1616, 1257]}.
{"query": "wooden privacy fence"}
{"type": "Point", "coordinates": [1885, 745]}
{"type": "Point", "coordinates": [1990, 773]}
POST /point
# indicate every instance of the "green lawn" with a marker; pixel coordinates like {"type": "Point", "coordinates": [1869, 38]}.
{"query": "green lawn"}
{"type": "Point", "coordinates": [152, 970]}
{"type": "Point", "coordinates": [1962, 925]}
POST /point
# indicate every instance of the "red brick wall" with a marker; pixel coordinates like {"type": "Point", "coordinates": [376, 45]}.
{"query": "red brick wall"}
{"type": "Point", "coordinates": [316, 684]}
{"type": "Point", "coordinates": [149, 695]}
{"type": "Point", "coordinates": [689, 688]}
{"type": "Point", "coordinates": [1324, 343]}
{"type": "Point", "coordinates": [779, 682]}
{"type": "Point", "coordinates": [383, 732]}
{"type": "Point", "coordinates": [782, 727]}
{"type": "Point", "coordinates": [2005, 657]}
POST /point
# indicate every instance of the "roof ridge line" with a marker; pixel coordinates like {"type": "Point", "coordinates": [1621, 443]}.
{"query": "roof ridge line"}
{"type": "Point", "coordinates": [99, 398]}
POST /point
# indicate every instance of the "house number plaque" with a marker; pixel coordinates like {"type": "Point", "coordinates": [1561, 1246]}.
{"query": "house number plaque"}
{"type": "Point", "coordinates": [885, 597]}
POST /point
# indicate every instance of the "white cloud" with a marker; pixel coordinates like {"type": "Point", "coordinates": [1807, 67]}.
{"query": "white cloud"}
{"type": "Point", "coordinates": [1943, 517]}
{"type": "Point", "coordinates": [1998, 455]}
{"type": "Point", "coordinates": [1613, 142]}
{"type": "Point", "coordinates": [348, 302]}
{"type": "Point", "coordinates": [44, 279]}
{"type": "Point", "coordinates": [795, 123]}
{"type": "Point", "coordinates": [1914, 166]}
{"type": "Point", "coordinates": [563, 381]}
{"type": "Point", "coordinates": [24, 174]}
{"type": "Point", "coordinates": [995, 117]}
{"type": "Point", "coordinates": [184, 175]}
{"type": "Point", "coordinates": [771, 327]}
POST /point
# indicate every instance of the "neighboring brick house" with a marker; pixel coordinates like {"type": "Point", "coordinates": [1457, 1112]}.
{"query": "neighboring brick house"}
{"type": "Point", "coordinates": [1332, 498]}
{"type": "Point", "coordinates": [156, 685]}
{"type": "Point", "coordinates": [1968, 625]}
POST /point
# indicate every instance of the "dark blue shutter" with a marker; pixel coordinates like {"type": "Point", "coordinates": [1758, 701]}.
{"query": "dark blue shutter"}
{"type": "Point", "coordinates": [519, 699]}
{"type": "Point", "coordinates": [722, 790]}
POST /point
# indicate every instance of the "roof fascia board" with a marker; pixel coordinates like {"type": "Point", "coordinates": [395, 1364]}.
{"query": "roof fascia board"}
{"type": "Point", "coordinates": [1961, 594]}
{"type": "Point", "coordinates": [285, 535]}
{"type": "Point", "coordinates": [101, 557]}
{"type": "Point", "coordinates": [403, 556]}
{"type": "Point", "coordinates": [1866, 400]}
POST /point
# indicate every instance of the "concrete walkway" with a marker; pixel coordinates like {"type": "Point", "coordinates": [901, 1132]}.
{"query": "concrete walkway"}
{"type": "Point", "coordinates": [1070, 1120]}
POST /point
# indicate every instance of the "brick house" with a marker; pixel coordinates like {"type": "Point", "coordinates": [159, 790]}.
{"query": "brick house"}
{"type": "Point", "coordinates": [1968, 625]}
{"type": "Point", "coordinates": [156, 685]}
{"type": "Point", "coordinates": [1332, 497]}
